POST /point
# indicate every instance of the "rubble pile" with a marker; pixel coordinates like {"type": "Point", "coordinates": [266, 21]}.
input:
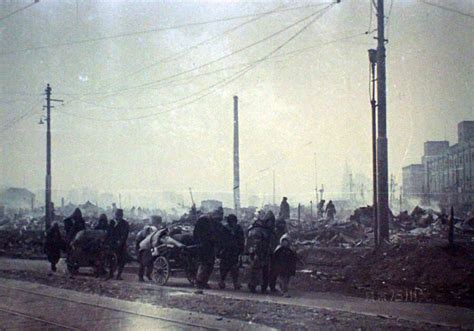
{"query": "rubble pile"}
{"type": "Point", "coordinates": [439, 272]}
{"type": "Point", "coordinates": [357, 231]}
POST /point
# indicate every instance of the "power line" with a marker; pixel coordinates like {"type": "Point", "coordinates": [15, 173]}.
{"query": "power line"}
{"type": "Point", "coordinates": [282, 55]}
{"type": "Point", "coordinates": [452, 10]}
{"type": "Point", "coordinates": [222, 83]}
{"type": "Point", "coordinates": [135, 33]}
{"type": "Point", "coordinates": [225, 82]}
{"type": "Point", "coordinates": [18, 10]}
{"type": "Point", "coordinates": [15, 121]}
{"type": "Point", "coordinates": [187, 50]}
{"type": "Point", "coordinates": [220, 58]}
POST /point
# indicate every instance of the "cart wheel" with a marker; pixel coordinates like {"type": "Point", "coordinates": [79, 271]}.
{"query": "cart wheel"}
{"type": "Point", "coordinates": [161, 270]}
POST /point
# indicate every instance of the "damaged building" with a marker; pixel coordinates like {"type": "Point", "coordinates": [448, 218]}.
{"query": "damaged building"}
{"type": "Point", "coordinates": [445, 176]}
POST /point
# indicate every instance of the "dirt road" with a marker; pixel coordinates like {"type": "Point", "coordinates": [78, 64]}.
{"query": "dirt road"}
{"type": "Point", "coordinates": [301, 311]}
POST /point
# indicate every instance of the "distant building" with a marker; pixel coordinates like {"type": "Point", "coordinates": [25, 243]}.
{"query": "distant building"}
{"type": "Point", "coordinates": [17, 198]}
{"type": "Point", "coordinates": [413, 179]}
{"type": "Point", "coordinates": [448, 171]}
{"type": "Point", "coordinates": [449, 176]}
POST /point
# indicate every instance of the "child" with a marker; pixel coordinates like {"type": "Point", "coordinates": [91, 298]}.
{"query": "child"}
{"type": "Point", "coordinates": [283, 265]}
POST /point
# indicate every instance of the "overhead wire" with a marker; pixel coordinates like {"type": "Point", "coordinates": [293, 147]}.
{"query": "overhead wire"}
{"type": "Point", "coordinates": [371, 13]}
{"type": "Point", "coordinates": [452, 10]}
{"type": "Point", "coordinates": [205, 74]}
{"type": "Point", "coordinates": [18, 10]}
{"type": "Point", "coordinates": [186, 50]}
{"type": "Point", "coordinates": [223, 82]}
{"type": "Point", "coordinates": [135, 33]}
{"type": "Point", "coordinates": [18, 119]}
{"type": "Point", "coordinates": [277, 56]}
{"type": "Point", "coordinates": [167, 78]}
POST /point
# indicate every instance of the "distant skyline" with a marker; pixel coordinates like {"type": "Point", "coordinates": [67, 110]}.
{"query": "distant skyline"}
{"type": "Point", "coordinates": [312, 101]}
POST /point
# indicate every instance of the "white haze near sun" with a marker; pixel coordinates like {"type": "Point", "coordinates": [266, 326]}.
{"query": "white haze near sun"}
{"type": "Point", "coordinates": [291, 108]}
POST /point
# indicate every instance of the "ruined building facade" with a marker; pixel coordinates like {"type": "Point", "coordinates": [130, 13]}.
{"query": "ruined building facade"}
{"type": "Point", "coordinates": [447, 172]}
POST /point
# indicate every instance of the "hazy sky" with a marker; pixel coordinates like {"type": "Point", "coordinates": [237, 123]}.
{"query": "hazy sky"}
{"type": "Point", "coordinates": [312, 101]}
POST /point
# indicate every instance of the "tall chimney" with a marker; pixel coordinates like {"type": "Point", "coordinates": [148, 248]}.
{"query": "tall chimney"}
{"type": "Point", "coordinates": [236, 158]}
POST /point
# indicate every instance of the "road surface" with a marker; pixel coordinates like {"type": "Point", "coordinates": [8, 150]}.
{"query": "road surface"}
{"type": "Point", "coordinates": [30, 306]}
{"type": "Point", "coordinates": [430, 314]}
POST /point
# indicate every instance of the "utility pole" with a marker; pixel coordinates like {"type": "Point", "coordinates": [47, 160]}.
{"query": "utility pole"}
{"type": "Point", "coordinates": [316, 177]}
{"type": "Point", "coordinates": [351, 195]}
{"type": "Point", "coordinates": [373, 103]}
{"type": "Point", "coordinates": [382, 155]}
{"type": "Point", "coordinates": [48, 203]}
{"type": "Point", "coordinates": [274, 195]}
{"type": "Point", "coordinates": [236, 158]}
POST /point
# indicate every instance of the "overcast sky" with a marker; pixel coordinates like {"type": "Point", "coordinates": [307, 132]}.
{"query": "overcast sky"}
{"type": "Point", "coordinates": [292, 106]}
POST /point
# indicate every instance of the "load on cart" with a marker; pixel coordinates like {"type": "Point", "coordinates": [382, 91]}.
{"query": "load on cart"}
{"type": "Point", "coordinates": [90, 248]}
{"type": "Point", "coordinates": [168, 252]}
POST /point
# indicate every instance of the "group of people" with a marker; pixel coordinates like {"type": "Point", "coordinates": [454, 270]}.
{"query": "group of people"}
{"type": "Point", "coordinates": [115, 239]}
{"type": "Point", "coordinates": [330, 210]}
{"type": "Point", "coordinates": [266, 242]}
{"type": "Point", "coordinates": [271, 256]}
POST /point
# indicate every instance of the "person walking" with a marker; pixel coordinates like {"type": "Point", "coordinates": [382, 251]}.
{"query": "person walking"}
{"type": "Point", "coordinates": [119, 236]}
{"type": "Point", "coordinates": [284, 209]}
{"type": "Point", "coordinates": [204, 235]}
{"type": "Point", "coordinates": [233, 247]}
{"type": "Point", "coordinates": [144, 256]}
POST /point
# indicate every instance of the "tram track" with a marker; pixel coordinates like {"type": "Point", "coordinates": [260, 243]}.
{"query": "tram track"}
{"type": "Point", "coordinates": [38, 319]}
{"type": "Point", "coordinates": [93, 305]}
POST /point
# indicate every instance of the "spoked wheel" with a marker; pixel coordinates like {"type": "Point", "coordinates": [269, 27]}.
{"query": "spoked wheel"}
{"type": "Point", "coordinates": [161, 270]}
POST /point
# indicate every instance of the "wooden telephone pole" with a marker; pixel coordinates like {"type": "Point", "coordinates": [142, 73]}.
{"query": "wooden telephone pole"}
{"type": "Point", "coordinates": [48, 203]}
{"type": "Point", "coordinates": [382, 154]}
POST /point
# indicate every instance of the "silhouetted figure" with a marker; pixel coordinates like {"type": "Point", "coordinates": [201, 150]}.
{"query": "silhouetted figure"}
{"type": "Point", "coordinates": [260, 245]}
{"type": "Point", "coordinates": [53, 245]}
{"type": "Point", "coordinates": [204, 236]}
{"type": "Point", "coordinates": [280, 228]}
{"type": "Point", "coordinates": [232, 246]}
{"type": "Point", "coordinates": [73, 224]}
{"type": "Point", "coordinates": [103, 223]}
{"type": "Point", "coordinates": [284, 209]}
{"type": "Point", "coordinates": [118, 237]}
{"type": "Point", "coordinates": [144, 256]}
{"type": "Point", "coordinates": [283, 265]}
{"type": "Point", "coordinates": [330, 211]}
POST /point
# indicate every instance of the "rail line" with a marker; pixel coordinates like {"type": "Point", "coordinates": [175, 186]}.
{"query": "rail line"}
{"type": "Point", "coordinates": [170, 320]}
{"type": "Point", "coordinates": [13, 312]}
